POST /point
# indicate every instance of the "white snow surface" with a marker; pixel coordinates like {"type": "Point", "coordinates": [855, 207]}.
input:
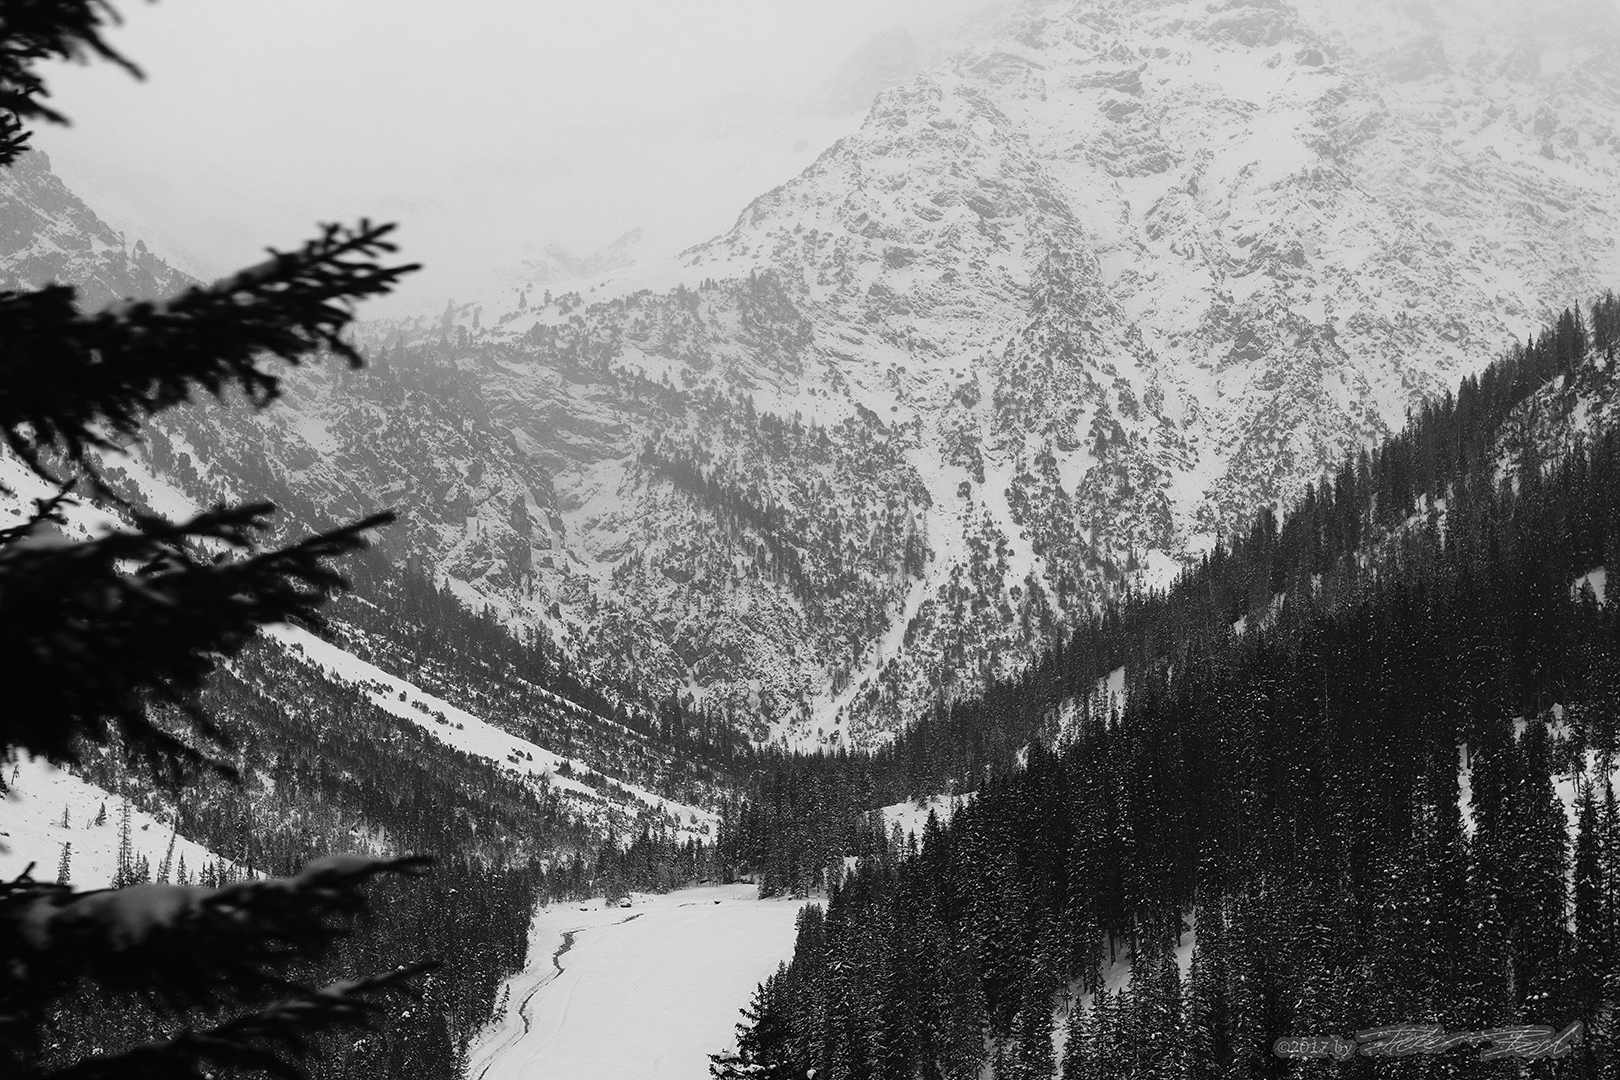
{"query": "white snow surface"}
{"type": "Point", "coordinates": [1116, 972]}
{"type": "Point", "coordinates": [911, 816]}
{"type": "Point", "coordinates": [31, 829]}
{"type": "Point", "coordinates": [1159, 570]}
{"type": "Point", "coordinates": [1465, 789]}
{"type": "Point", "coordinates": [1565, 787]}
{"type": "Point", "coordinates": [1112, 690]}
{"type": "Point", "coordinates": [1597, 579]}
{"type": "Point", "coordinates": [1564, 784]}
{"type": "Point", "coordinates": [646, 993]}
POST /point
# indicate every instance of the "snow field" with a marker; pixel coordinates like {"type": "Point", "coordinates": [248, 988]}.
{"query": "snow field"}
{"type": "Point", "coordinates": [645, 993]}
{"type": "Point", "coordinates": [1598, 579]}
{"type": "Point", "coordinates": [912, 816]}
{"type": "Point", "coordinates": [31, 829]}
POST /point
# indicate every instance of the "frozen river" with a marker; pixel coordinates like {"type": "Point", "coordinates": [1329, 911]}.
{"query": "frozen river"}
{"type": "Point", "coordinates": [648, 991]}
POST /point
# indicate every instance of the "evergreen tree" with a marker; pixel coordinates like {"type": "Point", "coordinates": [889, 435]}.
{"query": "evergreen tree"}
{"type": "Point", "coordinates": [1538, 847]}
{"type": "Point", "coordinates": [1161, 1037]}
{"type": "Point", "coordinates": [167, 864]}
{"type": "Point", "coordinates": [965, 1017]}
{"type": "Point", "coordinates": [1208, 1051]}
{"type": "Point", "coordinates": [762, 1052]}
{"type": "Point", "coordinates": [124, 872]}
{"type": "Point", "coordinates": [1032, 1028]}
{"type": "Point", "coordinates": [1114, 1053]}
{"type": "Point", "coordinates": [1079, 1047]}
{"type": "Point", "coordinates": [1244, 993]}
{"type": "Point", "coordinates": [102, 657]}
{"type": "Point", "coordinates": [1591, 930]}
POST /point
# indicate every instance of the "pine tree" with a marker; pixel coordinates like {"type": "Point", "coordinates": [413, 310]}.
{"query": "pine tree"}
{"type": "Point", "coordinates": [1207, 1048]}
{"type": "Point", "coordinates": [1595, 973]}
{"type": "Point", "coordinates": [1244, 992]}
{"type": "Point", "coordinates": [1079, 1048]}
{"type": "Point", "coordinates": [761, 1042]}
{"type": "Point", "coordinates": [97, 656]}
{"type": "Point", "coordinates": [1609, 870]}
{"type": "Point", "coordinates": [1591, 931]}
{"type": "Point", "coordinates": [1032, 1027]}
{"type": "Point", "coordinates": [167, 864]}
{"type": "Point", "coordinates": [1161, 1030]}
{"type": "Point", "coordinates": [964, 1016]}
{"type": "Point", "coordinates": [1113, 1052]}
{"type": "Point", "coordinates": [64, 865]}
{"type": "Point", "coordinates": [1538, 841]}
{"type": "Point", "coordinates": [124, 873]}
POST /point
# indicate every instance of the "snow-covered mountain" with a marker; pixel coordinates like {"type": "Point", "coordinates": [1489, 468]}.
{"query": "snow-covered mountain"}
{"type": "Point", "coordinates": [47, 233]}
{"type": "Point", "coordinates": [1063, 309]}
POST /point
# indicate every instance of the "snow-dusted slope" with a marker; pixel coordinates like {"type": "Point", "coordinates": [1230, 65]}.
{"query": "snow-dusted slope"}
{"type": "Point", "coordinates": [911, 817]}
{"type": "Point", "coordinates": [41, 797]}
{"type": "Point", "coordinates": [1204, 246]}
{"type": "Point", "coordinates": [463, 731]}
{"type": "Point", "coordinates": [47, 809]}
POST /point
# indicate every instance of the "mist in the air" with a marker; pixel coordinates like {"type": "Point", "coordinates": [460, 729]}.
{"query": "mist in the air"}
{"type": "Point", "coordinates": [491, 129]}
{"type": "Point", "coordinates": [513, 138]}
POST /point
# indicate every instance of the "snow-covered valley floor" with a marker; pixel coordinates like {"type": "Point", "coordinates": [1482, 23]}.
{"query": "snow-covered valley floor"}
{"type": "Point", "coordinates": [648, 991]}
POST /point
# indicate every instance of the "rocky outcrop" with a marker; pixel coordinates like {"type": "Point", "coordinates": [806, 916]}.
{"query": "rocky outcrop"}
{"type": "Point", "coordinates": [47, 234]}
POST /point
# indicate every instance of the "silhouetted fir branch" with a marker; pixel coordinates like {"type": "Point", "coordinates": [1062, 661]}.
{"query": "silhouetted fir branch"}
{"type": "Point", "coordinates": [91, 633]}
{"type": "Point", "coordinates": [94, 633]}
{"type": "Point", "coordinates": [35, 30]}
{"type": "Point", "coordinates": [176, 944]}
{"type": "Point", "coordinates": [261, 1041]}
{"type": "Point", "coordinates": [68, 380]}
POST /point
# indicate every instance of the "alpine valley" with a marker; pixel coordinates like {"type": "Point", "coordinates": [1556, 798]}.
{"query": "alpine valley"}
{"type": "Point", "coordinates": [999, 396]}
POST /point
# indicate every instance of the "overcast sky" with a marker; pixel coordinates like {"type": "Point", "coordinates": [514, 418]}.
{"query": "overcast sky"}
{"type": "Point", "coordinates": [487, 128]}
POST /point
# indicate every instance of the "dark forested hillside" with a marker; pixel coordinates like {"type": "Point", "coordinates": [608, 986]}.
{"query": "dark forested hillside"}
{"type": "Point", "coordinates": [1367, 752]}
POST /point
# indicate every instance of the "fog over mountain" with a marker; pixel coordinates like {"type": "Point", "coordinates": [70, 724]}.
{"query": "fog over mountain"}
{"type": "Point", "coordinates": [491, 130]}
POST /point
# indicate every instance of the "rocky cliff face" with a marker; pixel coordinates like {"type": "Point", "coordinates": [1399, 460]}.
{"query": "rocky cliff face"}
{"type": "Point", "coordinates": [47, 233]}
{"type": "Point", "coordinates": [1061, 311]}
